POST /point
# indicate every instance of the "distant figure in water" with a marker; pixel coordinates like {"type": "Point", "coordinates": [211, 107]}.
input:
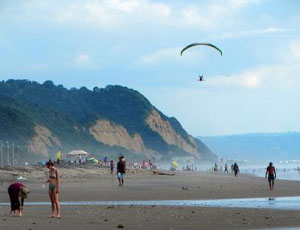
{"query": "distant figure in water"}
{"type": "Point", "coordinates": [236, 169]}
{"type": "Point", "coordinates": [17, 193]}
{"type": "Point", "coordinates": [226, 169]}
{"type": "Point", "coordinates": [271, 173]}
{"type": "Point", "coordinates": [232, 168]}
{"type": "Point", "coordinates": [121, 168]}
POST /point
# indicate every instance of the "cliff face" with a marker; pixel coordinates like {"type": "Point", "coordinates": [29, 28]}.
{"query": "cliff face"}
{"type": "Point", "coordinates": [42, 140]}
{"type": "Point", "coordinates": [167, 132]}
{"type": "Point", "coordinates": [116, 135]}
{"type": "Point", "coordinates": [109, 121]}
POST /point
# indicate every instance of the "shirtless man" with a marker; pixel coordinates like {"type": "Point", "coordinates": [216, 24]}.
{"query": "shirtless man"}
{"type": "Point", "coordinates": [271, 172]}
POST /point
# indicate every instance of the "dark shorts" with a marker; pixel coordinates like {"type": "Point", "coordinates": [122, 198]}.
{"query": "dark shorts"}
{"type": "Point", "coordinates": [271, 177]}
{"type": "Point", "coordinates": [14, 201]}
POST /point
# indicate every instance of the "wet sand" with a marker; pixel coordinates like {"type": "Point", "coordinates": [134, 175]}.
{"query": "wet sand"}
{"type": "Point", "coordinates": [93, 183]}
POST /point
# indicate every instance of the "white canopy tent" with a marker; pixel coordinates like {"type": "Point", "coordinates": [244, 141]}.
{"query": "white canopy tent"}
{"type": "Point", "coordinates": [77, 156]}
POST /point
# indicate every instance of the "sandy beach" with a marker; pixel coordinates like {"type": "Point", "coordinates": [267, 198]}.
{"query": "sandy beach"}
{"type": "Point", "coordinates": [92, 183]}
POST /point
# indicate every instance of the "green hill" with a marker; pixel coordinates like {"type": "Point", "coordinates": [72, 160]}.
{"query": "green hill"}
{"type": "Point", "coordinates": [107, 121]}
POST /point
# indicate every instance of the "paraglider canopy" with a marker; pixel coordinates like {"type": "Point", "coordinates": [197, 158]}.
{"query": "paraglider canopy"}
{"type": "Point", "coordinates": [201, 44]}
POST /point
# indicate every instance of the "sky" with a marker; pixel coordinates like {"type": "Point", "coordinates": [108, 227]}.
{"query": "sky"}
{"type": "Point", "coordinates": [253, 87]}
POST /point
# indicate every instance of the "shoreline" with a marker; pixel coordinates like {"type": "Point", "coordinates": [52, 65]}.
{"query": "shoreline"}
{"type": "Point", "coordinates": [96, 184]}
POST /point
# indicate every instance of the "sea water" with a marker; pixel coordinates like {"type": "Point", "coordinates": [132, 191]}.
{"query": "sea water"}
{"type": "Point", "coordinates": [281, 173]}
{"type": "Point", "coordinates": [280, 203]}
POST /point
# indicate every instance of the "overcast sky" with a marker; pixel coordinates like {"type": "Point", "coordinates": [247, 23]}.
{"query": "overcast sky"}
{"type": "Point", "coordinates": [253, 87]}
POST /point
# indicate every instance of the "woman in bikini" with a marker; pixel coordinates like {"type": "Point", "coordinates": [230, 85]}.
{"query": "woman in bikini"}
{"type": "Point", "coordinates": [54, 183]}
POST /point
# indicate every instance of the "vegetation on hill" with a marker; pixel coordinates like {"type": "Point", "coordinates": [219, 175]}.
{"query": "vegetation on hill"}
{"type": "Point", "coordinates": [69, 113]}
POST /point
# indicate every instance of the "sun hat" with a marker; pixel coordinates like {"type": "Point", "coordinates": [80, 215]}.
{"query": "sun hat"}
{"type": "Point", "coordinates": [23, 193]}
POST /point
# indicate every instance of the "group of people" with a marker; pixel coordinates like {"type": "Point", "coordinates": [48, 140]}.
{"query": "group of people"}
{"type": "Point", "coordinates": [234, 168]}
{"type": "Point", "coordinates": [18, 192]}
{"type": "Point", "coordinates": [270, 172]}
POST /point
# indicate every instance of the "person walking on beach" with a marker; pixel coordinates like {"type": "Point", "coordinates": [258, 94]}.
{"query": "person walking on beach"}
{"type": "Point", "coordinates": [17, 193]}
{"type": "Point", "coordinates": [54, 184]}
{"type": "Point", "coordinates": [112, 166]}
{"type": "Point", "coordinates": [121, 168]}
{"type": "Point", "coordinates": [150, 164]}
{"type": "Point", "coordinates": [236, 169]}
{"type": "Point", "coordinates": [226, 169]}
{"type": "Point", "coordinates": [216, 167]}
{"type": "Point", "coordinates": [271, 173]}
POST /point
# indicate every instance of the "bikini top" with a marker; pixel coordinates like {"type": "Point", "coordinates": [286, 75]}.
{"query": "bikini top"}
{"type": "Point", "coordinates": [52, 175]}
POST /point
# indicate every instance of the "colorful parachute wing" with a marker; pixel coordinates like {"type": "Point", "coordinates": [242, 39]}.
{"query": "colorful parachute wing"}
{"type": "Point", "coordinates": [200, 44]}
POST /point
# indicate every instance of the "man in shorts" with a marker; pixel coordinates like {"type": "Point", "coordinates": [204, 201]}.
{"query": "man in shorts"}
{"type": "Point", "coordinates": [271, 172]}
{"type": "Point", "coordinates": [121, 168]}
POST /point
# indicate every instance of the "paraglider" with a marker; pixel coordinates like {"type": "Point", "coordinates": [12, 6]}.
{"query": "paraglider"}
{"type": "Point", "coordinates": [201, 44]}
{"type": "Point", "coordinates": [201, 78]}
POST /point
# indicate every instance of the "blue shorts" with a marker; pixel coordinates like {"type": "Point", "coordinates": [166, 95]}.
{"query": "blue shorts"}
{"type": "Point", "coordinates": [121, 175]}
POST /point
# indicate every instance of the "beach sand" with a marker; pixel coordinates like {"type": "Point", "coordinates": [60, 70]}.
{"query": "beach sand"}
{"type": "Point", "coordinates": [92, 183]}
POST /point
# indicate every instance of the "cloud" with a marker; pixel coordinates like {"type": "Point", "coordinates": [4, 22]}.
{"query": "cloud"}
{"type": "Point", "coordinates": [83, 58]}
{"type": "Point", "coordinates": [247, 79]}
{"type": "Point", "coordinates": [295, 48]}
{"type": "Point", "coordinates": [159, 56]}
{"type": "Point", "coordinates": [242, 3]}
{"type": "Point", "coordinates": [109, 14]}
{"type": "Point", "coordinates": [86, 61]}
{"type": "Point", "coordinates": [279, 75]}
{"type": "Point", "coordinates": [169, 55]}
{"type": "Point", "coordinates": [239, 34]}
{"type": "Point", "coordinates": [215, 15]}
{"type": "Point", "coordinates": [98, 13]}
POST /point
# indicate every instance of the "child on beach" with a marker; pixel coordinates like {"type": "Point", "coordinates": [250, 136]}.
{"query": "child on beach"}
{"type": "Point", "coordinates": [121, 168]}
{"type": "Point", "coordinates": [17, 193]}
{"type": "Point", "coordinates": [54, 184]}
{"type": "Point", "coordinates": [112, 165]}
